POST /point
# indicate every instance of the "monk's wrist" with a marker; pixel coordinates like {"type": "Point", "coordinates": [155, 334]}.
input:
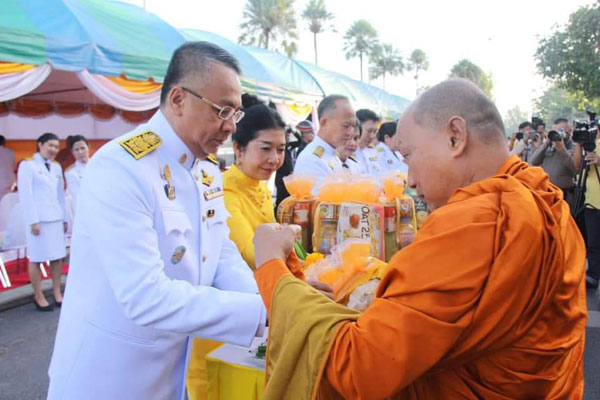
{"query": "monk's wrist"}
{"type": "Point", "coordinates": [267, 276]}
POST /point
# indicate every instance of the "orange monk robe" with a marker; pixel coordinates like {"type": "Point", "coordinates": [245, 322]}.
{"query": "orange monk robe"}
{"type": "Point", "coordinates": [488, 302]}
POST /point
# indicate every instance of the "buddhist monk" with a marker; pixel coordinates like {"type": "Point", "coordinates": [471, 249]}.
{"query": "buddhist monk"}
{"type": "Point", "coordinates": [487, 303]}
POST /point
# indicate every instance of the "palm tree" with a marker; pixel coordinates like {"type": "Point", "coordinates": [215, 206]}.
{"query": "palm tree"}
{"type": "Point", "coordinates": [360, 40]}
{"type": "Point", "coordinates": [418, 62]}
{"type": "Point", "coordinates": [268, 20]}
{"type": "Point", "coordinates": [386, 60]}
{"type": "Point", "coordinates": [317, 15]}
{"type": "Point", "coordinates": [468, 70]}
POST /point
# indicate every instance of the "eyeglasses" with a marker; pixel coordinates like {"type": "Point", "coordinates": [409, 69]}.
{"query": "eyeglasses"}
{"type": "Point", "coordinates": [225, 113]}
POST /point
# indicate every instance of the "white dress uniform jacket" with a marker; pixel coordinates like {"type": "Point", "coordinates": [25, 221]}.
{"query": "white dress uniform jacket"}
{"type": "Point", "coordinates": [151, 266]}
{"type": "Point", "coordinates": [73, 175]}
{"type": "Point", "coordinates": [370, 159]}
{"type": "Point", "coordinates": [41, 191]}
{"type": "Point", "coordinates": [390, 160]}
{"type": "Point", "coordinates": [7, 170]}
{"type": "Point", "coordinates": [353, 166]}
{"type": "Point", "coordinates": [318, 159]}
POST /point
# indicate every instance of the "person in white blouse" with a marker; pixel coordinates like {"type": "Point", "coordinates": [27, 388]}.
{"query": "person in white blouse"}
{"type": "Point", "coordinates": [42, 196]}
{"type": "Point", "coordinates": [80, 148]}
{"type": "Point", "coordinates": [347, 154]}
{"type": "Point", "coordinates": [391, 160]}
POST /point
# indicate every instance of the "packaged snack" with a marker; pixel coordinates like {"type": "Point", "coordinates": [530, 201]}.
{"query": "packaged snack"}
{"type": "Point", "coordinates": [365, 222]}
{"type": "Point", "coordinates": [299, 186]}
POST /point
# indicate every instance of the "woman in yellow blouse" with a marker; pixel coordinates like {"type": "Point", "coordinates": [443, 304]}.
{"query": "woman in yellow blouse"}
{"type": "Point", "coordinates": [259, 146]}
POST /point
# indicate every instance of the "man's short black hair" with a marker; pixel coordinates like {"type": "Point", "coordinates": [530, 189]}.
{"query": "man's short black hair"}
{"type": "Point", "coordinates": [524, 125]}
{"type": "Point", "coordinates": [328, 103]}
{"type": "Point", "coordinates": [365, 115]}
{"type": "Point", "coordinates": [2, 140]}
{"type": "Point", "coordinates": [560, 121]}
{"type": "Point", "coordinates": [194, 57]}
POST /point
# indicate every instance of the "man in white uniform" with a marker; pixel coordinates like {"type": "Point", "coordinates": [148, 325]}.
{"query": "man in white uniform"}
{"type": "Point", "coordinates": [7, 168]}
{"type": "Point", "coordinates": [390, 159]}
{"type": "Point", "coordinates": [151, 262]}
{"type": "Point", "coordinates": [366, 154]}
{"type": "Point", "coordinates": [337, 122]}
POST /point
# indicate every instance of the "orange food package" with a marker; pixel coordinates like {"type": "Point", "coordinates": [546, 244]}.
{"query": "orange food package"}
{"type": "Point", "coordinates": [348, 266]}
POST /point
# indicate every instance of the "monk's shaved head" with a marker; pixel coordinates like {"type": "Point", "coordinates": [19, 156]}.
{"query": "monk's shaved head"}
{"type": "Point", "coordinates": [462, 98]}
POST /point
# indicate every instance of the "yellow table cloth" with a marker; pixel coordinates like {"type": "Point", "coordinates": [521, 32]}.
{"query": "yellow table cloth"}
{"type": "Point", "coordinates": [233, 374]}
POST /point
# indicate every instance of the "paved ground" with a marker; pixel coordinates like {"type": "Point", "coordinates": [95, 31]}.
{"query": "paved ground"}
{"type": "Point", "coordinates": [27, 338]}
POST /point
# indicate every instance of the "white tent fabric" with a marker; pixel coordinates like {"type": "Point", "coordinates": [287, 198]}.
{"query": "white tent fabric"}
{"type": "Point", "coordinates": [17, 84]}
{"type": "Point", "coordinates": [116, 96]}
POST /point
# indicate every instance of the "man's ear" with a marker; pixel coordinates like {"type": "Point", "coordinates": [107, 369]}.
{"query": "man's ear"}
{"type": "Point", "coordinates": [457, 136]}
{"type": "Point", "coordinates": [175, 99]}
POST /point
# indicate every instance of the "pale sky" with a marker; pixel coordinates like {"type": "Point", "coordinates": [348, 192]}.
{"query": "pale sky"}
{"type": "Point", "coordinates": [500, 36]}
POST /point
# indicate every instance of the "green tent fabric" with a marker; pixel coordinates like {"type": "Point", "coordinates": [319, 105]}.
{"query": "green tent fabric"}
{"type": "Point", "coordinates": [106, 37]}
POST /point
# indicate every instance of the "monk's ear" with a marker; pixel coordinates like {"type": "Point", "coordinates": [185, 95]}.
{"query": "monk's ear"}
{"type": "Point", "coordinates": [456, 135]}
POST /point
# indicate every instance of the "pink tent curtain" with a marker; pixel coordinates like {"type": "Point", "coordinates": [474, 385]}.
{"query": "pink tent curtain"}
{"type": "Point", "coordinates": [116, 96]}
{"type": "Point", "coordinates": [17, 84]}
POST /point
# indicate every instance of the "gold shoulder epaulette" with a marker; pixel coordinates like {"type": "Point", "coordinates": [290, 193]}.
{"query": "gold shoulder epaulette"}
{"type": "Point", "coordinates": [319, 150]}
{"type": "Point", "coordinates": [380, 149]}
{"type": "Point", "coordinates": [213, 159]}
{"type": "Point", "coordinates": [28, 159]}
{"type": "Point", "coordinates": [54, 161]}
{"type": "Point", "coordinates": [141, 144]}
{"type": "Point", "coordinates": [70, 167]}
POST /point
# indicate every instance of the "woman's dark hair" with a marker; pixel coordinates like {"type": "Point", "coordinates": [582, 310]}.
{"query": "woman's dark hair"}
{"type": "Point", "coordinates": [46, 137]}
{"type": "Point", "coordinates": [386, 129]}
{"type": "Point", "coordinates": [359, 127]}
{"type": "Point", "coordinates": [71, 140]}
{"type": "Point", "coordinates": [258, 116]}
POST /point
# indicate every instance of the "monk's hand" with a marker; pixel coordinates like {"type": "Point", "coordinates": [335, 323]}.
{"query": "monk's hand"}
{"type": "Point", "coordinates": [321, 287]}
{"type": "Point", "coordinates": [274, 241]}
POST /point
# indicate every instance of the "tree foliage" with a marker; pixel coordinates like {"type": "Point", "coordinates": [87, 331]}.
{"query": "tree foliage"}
{"type": "Point", "coordinates": [386, 61]}
{"type": "Point", "coordinates": [418, 62]}
{"type": "Point", "coordinates": [513, 118]}
{"type": "Point", "coordinates": [570, 57]}
{"type": "Point", "coordinates": [359, 41]}
{"type": "Point", "coordinates": [317, 16]}
{"type": "Point", "coordinates": [468, 70]}
{"type": "Point", "coordinates": [268, 21]}
{"type": "Point", "coordinates": [557, 102]}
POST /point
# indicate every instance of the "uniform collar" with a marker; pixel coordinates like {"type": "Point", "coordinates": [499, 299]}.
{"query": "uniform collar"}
{"type": "Point", "coordinates": [38, 157]}
{"type": "Point", "coordinates": [172, 144]}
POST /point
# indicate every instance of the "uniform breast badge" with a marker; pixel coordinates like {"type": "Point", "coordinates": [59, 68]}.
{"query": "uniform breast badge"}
{"type": "Point", "coordinates": [207, 180]}
{"type": "Point", "coordinates": [178, 254]}
{"type": "Point", "coordinates": [212, 194]}
{"type": "Point", "coordinates": [210, 213]}
{"type": "Point", "coordinates": [169, 189]}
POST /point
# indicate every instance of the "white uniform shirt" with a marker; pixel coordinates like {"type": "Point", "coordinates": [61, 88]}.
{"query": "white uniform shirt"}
{"type": "Point", "coordinates": [353, 166]}
{"type": "Point", "coordinates": [148, 272]}
{"type": "Point", "coordinates": [73, 175]}
{"type": "Point", "coordinates": [41, 190]}
{"type": "Point", "coordinates": [7, 168]}
{"type": "Point", "coordinates": [318, 159]}
{"type": "Point", "coordinates": [370, 159]}
{"type": "Point", "coordinates": [390, 160]}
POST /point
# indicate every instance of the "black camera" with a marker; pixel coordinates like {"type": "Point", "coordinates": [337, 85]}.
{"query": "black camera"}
{"type": "Point", "coordinates": [557, 135]}
{"type": "Point", "coordinates": [519, 135]}
{"type": "Point", "coordinates": [586, 132]}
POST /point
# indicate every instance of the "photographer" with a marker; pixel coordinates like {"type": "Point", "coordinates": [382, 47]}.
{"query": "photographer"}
{"type": "Point", "coordinates": [592, 213]}
{"type": "Point", "coordinates": [554, 158]}
{"type": "Point", "coordinates": [520, 137]}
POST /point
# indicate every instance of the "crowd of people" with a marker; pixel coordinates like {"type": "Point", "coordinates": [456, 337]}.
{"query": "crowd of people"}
{"type": "Point", "coordinates": [166, 248]}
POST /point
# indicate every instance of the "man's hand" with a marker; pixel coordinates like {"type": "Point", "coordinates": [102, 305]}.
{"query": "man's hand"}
{"type": "Point", "coordinates": [591, 157]}
{"type": "Point", "coordinates": [35, 229]}
{"type": "Point", "coordinates": [274, 241]}
{"type": "Point", "coordinates": [322, 287]}
{"type": "Point", "coordinates": [559, 145]}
